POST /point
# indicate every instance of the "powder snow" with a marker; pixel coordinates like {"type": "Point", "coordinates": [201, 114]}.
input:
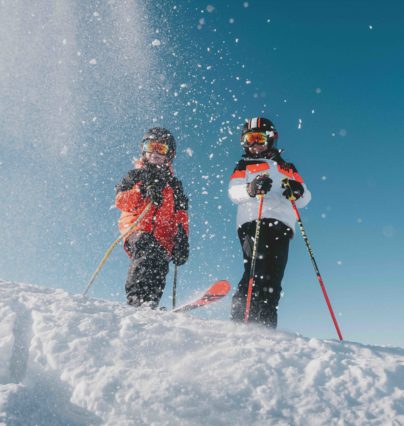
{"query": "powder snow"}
{"type": "Point", "coordinates": [69, 360]}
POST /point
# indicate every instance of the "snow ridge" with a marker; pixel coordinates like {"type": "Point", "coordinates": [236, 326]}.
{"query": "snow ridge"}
{"type": "Point", "coordinates": [68, 360]}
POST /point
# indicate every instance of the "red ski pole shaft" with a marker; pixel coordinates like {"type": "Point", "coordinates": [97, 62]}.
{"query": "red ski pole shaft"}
{"type": "Point", "coordinates": [313, 261]}
{"type": "Point", "coordinates": [253, 260]}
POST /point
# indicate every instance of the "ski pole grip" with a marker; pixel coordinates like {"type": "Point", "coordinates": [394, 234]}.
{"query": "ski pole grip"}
{"type": "Point", "coordinates": [286, 184]}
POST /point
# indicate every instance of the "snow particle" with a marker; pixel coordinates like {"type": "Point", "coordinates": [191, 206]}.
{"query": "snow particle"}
{"type": "Point", "coordinates": [156, 42]}
{"type": "Point", "coordinates": [93, 61]}
{"type": "Point", "coordinates": [246, 4]}
{"type": "Point", "coordinates": [210, 8]}
{"type": "Point", "coordinates": [318, 90]}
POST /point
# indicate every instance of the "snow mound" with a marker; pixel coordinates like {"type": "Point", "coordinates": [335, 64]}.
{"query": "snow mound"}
{"type": "Point", "coordinates": [68, 360]}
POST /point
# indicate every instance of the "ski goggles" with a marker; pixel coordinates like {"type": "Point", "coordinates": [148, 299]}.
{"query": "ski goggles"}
{"type": "Point", "coordinates": [255, 138]}
{"type": "Point", "coordinates": [153, 146]}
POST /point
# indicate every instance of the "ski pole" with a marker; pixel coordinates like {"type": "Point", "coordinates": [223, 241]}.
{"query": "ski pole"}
{"type": "Point", "coordinates": [292, 199]}
{"type": "Point", "coordinates": [253, 259]}
{"type": "Point", "coordinates": [175, 285]}
{"type": "Point", "coordinates": [112, 246]}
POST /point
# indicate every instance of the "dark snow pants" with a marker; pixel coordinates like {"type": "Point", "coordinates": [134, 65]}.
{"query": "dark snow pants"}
{"type": "Point", "coordinates": [272, 256]}
{"type": "Point", "coordinates": [147, 271]}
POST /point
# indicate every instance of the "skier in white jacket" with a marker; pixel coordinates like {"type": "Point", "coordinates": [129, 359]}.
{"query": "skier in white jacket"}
{"type": "Point", "coordinates": [261, 171]}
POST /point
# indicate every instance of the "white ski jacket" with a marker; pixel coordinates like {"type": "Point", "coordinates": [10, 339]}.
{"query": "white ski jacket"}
{"type": "Point", "coordinates": [276, 206]}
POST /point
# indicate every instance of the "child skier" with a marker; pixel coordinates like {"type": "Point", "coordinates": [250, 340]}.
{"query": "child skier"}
{"type": "Point", "coordinates": [162, 234]}
{"type": "Point", "coordinates": [261, 172]}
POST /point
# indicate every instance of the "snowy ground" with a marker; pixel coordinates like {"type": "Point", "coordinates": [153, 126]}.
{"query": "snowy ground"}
{"type": "Point", "coordinates": [66, 360]}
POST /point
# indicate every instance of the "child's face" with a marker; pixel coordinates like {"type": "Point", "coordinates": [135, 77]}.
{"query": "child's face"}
{"type": "Point", "coordinates": [257, 149]}
{"type": "Point", "coordinates": [155, 158]}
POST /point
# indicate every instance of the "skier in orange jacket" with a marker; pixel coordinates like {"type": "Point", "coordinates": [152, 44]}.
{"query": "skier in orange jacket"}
{"type": "Point", "coordinates": [162, 235]}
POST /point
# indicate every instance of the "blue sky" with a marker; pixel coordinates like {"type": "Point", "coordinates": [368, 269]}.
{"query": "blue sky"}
{"type": "Point", "coordinates": [80, 84]}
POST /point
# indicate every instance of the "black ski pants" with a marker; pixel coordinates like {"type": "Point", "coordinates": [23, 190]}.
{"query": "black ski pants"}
{"type": "Point", "coordinates": [272, 256]}
{"type": "Point", "coordinates": [147, 271]}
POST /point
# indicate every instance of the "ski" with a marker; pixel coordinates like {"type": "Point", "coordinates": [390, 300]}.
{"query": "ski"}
{"type": "Point", "coordinates": [215, 292]}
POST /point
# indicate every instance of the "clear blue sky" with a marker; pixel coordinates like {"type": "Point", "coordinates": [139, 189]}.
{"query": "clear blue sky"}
{"type": "Point", "coordinates": [79, 84]}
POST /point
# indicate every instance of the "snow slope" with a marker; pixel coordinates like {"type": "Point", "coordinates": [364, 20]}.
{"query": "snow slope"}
{"type": "Point", "coordinates": [67, 360]}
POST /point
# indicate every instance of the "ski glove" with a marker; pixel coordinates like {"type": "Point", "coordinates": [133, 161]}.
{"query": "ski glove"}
{"type": "Point", "coordinates": [297, 189]}
{"type": "Point", "coordinates": [181, 247]}
{"type": "Point", "coordinates": [259, 186]}
{"type": "Point", "coordinates": [154, 192]}
{"type": "Point", "coordinates": [154, 180]}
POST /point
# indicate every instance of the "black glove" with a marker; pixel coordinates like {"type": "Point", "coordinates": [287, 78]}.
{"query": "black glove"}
{"type": "Point", "coordinates": [259, 186]}
{"type": "Point", "coordinates": [297, 189]}
{"type": "Point", "coordinates": [154, 192]}
{"type": "Point", "coordinates": [180, 251]}
{"type": "Point", "coordinates": [155, 179]}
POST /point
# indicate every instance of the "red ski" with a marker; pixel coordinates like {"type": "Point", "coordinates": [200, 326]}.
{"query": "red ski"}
{"type": "Point", "coordinates": [215, 292]}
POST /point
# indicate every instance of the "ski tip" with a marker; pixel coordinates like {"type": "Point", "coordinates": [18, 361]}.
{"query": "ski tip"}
{"type": "Point", "coordinates": [221, 287]}
{"type": "Point", "coordinates": [215, 292]}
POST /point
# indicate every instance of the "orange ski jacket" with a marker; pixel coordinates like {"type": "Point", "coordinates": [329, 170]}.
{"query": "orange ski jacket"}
{"type": "Point", "coordinates": [161, 221]}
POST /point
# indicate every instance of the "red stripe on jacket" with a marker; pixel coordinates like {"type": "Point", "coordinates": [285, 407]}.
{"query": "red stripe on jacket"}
{"type": "Point", "coordinates": [255, 168]}
{"type": "Point", "coordinates": [238, 174]}
{"type": "Point", "coordinates": [290, 173]}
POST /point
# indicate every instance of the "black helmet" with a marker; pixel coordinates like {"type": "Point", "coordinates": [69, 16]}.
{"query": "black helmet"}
{"type": "Point", "coordinates": [161, 134]}
{"type": "Point", "coordinates": [261, 124]}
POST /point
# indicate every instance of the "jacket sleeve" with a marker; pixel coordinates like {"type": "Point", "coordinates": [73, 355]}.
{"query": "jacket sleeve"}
{"type": "Point", "coordinates": [128, 194]}
{"type": "Point", "coordinates": [305, 199]}
{"type": "Point", "coordinates": [182, 219]}
{"type": "Point", "coordinates": [181, 206]}
{"type": "Point", "coordinates": [238, 184]}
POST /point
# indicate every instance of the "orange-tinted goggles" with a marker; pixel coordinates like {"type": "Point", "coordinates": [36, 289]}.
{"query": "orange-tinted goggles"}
{"type": "Point", "coordinates": [256, 137]}
{"type": "Point", "coordinates": [152, 146]}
